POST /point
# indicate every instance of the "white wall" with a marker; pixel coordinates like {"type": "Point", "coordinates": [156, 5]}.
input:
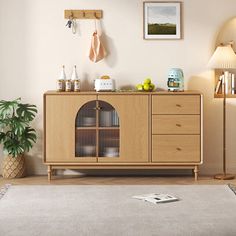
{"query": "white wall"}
{"type": "Point", "coordinates": [34, 43]}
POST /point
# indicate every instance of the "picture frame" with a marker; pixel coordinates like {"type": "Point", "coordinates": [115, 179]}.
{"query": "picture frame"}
{"type": "Point", "coordinates": [162, 20]}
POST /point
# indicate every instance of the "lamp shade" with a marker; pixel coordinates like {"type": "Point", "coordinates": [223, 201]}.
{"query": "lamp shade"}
{"type": "Point", "coordinates": [223, 58]}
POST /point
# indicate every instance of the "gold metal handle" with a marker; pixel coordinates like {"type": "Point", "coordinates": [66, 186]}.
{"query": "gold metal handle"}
{"type": "Point", "coordinates": [179, 149]}
{"type": "Point", "coordinates": [97, 108]}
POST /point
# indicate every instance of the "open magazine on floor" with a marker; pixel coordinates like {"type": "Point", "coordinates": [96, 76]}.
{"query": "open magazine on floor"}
{"type": "Point", "coordinates": [156, 198]}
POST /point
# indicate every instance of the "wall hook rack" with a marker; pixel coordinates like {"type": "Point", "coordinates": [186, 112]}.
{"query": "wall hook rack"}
{"type": "Point", "coordinates": [83, 14]}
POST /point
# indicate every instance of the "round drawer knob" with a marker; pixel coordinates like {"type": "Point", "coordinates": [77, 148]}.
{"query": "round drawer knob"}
{"type": "Point", "coordinates": [178, 125]}
{"type": "Point", "coordinates": [179, 149]}
{"type": "Point", "coordinates": [178, 105]}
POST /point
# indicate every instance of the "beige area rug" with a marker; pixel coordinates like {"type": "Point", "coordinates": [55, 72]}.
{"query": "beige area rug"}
{"type": "Point", "coordinates": [110, 210]}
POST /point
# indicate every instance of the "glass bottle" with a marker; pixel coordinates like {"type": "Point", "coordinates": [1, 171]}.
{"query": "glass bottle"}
{"type": "Point", "coordinates": [75, 80]}
{"type": "Point", "coordinates": [61, 80]}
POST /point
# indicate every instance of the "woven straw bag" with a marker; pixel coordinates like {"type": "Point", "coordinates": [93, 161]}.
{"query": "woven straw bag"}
{"type": "Point", "coordinates": [13, 167]}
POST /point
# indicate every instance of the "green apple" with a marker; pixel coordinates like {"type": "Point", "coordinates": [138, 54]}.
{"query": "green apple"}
{"type": "Point", "coordinates": [147, 81]}
{"type": "Point", "coordinates": [139, 87]}
{"type": "Point", "coordinates": [146, 87]}
{"type": "Point", "coordinates": [152, 87]}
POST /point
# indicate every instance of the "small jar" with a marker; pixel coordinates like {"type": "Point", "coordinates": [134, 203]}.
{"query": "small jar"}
{"type": "Point", "coordinates": [60, 85]}
{"type": "Point", "coordinates": [68, 85]}
{"type": "Point", "coordinates": [76, 84]}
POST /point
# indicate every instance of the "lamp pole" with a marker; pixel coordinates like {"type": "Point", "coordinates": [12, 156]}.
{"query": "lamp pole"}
{"type": "Point", "coordinates": [224, 176]}
{"type": "Point", "coordinates": [224, 128]}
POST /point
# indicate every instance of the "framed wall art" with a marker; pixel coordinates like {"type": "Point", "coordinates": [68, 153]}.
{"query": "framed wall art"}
{"type": "Point", "coordinates": [162, 20]}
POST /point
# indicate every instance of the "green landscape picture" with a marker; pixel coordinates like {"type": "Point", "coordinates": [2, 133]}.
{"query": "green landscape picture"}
{"type": "Point", "coordinates": [162, 20]}
{"type": "Point", "coordinates": [161, 29]}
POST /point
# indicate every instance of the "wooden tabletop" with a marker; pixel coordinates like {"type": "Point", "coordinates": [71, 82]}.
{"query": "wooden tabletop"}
{"type": "Point", "coordinates": [125, 92]}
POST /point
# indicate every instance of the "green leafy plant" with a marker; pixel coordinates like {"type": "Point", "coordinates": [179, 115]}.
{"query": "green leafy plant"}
{"type": "Point", "coordinates": [16, 135]}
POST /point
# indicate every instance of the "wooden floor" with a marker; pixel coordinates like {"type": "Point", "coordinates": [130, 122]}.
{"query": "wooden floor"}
{"type": "Point", "coordinates": [118, 180]}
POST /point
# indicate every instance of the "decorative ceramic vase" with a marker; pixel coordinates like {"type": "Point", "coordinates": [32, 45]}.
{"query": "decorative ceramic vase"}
{"type": "Point", "coordinates": [13, 167]}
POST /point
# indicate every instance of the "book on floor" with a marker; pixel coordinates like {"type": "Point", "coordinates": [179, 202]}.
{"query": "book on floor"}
{"type": "Point", "coordinates": [156, 198]}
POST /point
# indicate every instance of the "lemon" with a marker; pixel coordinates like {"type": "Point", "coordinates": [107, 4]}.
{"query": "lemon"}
{"type": "Point", "coordinates": [152, 86]}
{"type": "Point", "coordinates": [139, 87]}
{"type": "Point", "coordinates": [146, 87]}
{"type": "Point", "coordinates": [147, 81]}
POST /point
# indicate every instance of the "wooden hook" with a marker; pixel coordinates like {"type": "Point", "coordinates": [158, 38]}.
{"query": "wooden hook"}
{"type": "Point", "coordinates": [71, 15]}
{"type": "Point", "coordinates": [83, 14]}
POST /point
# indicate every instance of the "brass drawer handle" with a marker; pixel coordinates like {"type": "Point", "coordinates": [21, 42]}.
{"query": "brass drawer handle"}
{"type": "Point", "coordinates": [179, 149]}
{"type": "Point", "coordinates": [178, 125]}
{"type": "Point", "coordinates": [97, 108]}
{"type": "Point", "coordinates": [178, 105]}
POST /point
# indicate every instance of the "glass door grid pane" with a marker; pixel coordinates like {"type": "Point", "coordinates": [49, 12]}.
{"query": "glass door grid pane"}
{"type": "Point", "coordinates": [97, 130]}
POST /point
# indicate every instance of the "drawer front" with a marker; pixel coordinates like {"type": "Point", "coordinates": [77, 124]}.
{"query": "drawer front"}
{"type": "Point", "coordinates": [176, 104]}
{"type": "Point", "coordinates": [176, 148]}
{"type": "Point", "coordinates": [176, 124]}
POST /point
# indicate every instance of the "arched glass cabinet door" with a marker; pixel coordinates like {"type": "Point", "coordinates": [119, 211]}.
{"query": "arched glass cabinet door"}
{"type": "Point", "coordinates": [108, 130]}
{"type": "Point", "coordinates": [97, 131]}
{"type": "Point", "coordinates": [85, 131]}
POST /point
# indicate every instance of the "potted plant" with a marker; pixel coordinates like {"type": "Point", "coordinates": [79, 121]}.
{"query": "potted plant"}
{"type": "Point", "coordinates": [16, 135]}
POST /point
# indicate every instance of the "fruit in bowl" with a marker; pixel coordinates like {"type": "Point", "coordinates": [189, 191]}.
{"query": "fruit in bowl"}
{"type": "Point", "coordinates": [147, 86]}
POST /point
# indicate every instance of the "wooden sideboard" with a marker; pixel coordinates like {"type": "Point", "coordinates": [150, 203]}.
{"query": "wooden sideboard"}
{"type": "Point", "coordinates": [123, 130]}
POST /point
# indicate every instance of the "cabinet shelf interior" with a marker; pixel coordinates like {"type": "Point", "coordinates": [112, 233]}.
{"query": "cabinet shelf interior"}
{"type": "Point", "coordinates": [97, 130]}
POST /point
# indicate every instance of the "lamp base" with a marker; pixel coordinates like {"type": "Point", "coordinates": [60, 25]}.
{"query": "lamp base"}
{"type": "Point", "coordinates": [224, 176]}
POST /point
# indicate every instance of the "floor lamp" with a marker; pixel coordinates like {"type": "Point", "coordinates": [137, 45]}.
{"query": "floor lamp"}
{"type": "Point", "coordinates": [223, 58]}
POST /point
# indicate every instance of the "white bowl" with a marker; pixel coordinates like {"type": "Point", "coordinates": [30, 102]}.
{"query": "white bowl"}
{"type": "Point", "coordinates": [88, 150]}
{"type": "Point", "coordinates": [114, 154]}
{"type": "Point", "coordinates": [88, 121]}
{"type": "Point", "coordinates": [111, 150]}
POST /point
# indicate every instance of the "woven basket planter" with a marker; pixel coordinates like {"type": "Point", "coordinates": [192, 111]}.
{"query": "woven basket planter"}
{"type": "Point", "coordinates": [13, 167]}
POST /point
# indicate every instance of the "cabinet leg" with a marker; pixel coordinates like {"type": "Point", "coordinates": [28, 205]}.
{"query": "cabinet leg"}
{"type": "Point", "coordinates": [196, 172]}
{"type": "Point", "coordinates": [49, 173]}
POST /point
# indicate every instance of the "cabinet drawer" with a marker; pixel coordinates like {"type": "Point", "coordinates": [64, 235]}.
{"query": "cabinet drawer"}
{"type": "Point", "coordinates": [176, 124]}
{"type": "Point", "coordinates": [176, 148]}
{"type": "Point", "coordinates": [175, 104]}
